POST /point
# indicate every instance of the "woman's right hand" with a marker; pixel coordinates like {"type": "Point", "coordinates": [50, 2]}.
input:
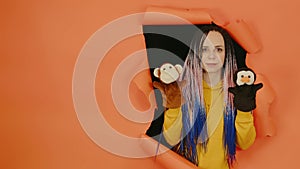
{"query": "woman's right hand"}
{"type": "Point", "coordinates": [171, 94]}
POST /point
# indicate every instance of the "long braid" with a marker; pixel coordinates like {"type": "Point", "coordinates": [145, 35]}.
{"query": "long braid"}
{"type": "Point", "coordinates": [230, 112]}
{"type": "Point", "coordinates": [193, 111]}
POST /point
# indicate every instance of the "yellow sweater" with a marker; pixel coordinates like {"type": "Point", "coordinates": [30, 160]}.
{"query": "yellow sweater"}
{"type": "Point", "coordinates": [215, 156]}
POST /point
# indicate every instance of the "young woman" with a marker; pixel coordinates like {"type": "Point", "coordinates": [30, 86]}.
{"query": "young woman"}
{"type": "Point", "coordinates": [206, 128]}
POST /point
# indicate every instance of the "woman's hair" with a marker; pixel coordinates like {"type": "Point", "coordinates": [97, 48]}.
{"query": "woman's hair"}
{"type": "Point", "coordinates": [193, 110]}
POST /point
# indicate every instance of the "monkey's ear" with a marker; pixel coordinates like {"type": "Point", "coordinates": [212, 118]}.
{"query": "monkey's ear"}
{"type": "Point", "coordinates": [156, 72]}
{"type": "Point", "coordinates": [178, 68]}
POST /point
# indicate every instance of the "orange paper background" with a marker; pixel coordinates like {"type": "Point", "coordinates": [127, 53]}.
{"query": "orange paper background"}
{"type": "Point", "coordinates": [41, 40]}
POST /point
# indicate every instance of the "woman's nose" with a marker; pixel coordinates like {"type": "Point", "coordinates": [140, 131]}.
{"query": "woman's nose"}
{"type": "Point", "coordinates": [212, 55]}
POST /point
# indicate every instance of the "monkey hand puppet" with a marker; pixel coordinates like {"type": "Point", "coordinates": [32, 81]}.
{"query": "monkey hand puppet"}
{"type": "Point", "coordinates": [245, 90]}
{"type": "Point", "coordinates": [169, 85]}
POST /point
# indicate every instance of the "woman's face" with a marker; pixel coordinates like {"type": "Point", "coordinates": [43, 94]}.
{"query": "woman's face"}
{"type": "Point", "coordinates": [213, 52]}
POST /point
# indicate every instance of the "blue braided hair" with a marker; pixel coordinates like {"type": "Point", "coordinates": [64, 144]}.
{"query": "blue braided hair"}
{"type": "Point", "coordinates": [194, 129]}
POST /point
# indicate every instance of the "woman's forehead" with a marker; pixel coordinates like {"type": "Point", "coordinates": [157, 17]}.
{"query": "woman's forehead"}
{"type": "Point", "coordinates": [214, 38]}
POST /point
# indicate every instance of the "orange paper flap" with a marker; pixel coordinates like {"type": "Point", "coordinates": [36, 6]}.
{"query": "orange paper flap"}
{"type": "Point", "coordinates": [241, 32]}
{"type": "Point", "coordinates": [175, 16]}
{"type": "Point", "coordinates": [238, 29]}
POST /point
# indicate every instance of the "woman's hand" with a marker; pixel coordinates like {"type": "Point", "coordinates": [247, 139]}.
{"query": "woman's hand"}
{"type": "Point", "coordinates": [171, 93]}
{"type": "Point", "coordinates": [245, 90]}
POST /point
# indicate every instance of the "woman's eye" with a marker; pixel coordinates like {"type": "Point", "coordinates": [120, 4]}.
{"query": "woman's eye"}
{"type": "Point", "coordinates": [204, 49]}
{"type": "Point", "coordinates": [219, 50]}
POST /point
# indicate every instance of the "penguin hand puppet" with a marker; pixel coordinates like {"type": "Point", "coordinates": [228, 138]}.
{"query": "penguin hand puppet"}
{"type": "Point", "coordinates": [168, 85]}
{"type": "Point", "coordinates": [245, 90]}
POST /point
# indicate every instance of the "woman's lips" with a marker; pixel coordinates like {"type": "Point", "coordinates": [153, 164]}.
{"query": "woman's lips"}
{"type": "Point", "coordinates": [211, 64]}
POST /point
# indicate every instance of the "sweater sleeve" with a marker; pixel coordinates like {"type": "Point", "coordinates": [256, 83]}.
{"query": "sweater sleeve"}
{"type": "Point", "coordinates": [172, 125]}
{"type": "Point", "coordinates": [245, 130]}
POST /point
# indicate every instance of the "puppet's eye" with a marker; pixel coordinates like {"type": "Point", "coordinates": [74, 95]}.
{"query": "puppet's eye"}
{"type": "Point", "coordinates": [170, 67]}
{"type": "Point", "coordinates": [249, 76]}
{"type": "Point", "coordinates": [164, 68]}
{"type": "Point", "coordinates": [242, 76]}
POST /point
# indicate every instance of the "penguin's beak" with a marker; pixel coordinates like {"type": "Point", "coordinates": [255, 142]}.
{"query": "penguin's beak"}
{"type": "Point", "coordinates": [245, 80]}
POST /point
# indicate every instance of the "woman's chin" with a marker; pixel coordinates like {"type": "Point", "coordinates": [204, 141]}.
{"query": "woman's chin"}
{"type": "Point", "coordinates": [212, 69]}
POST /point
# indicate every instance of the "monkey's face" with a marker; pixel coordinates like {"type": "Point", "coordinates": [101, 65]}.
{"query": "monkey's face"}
{"type": "Point", "coordinates": [245, 77]}
{"type": "Point", "coordinates": [168, 73]}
